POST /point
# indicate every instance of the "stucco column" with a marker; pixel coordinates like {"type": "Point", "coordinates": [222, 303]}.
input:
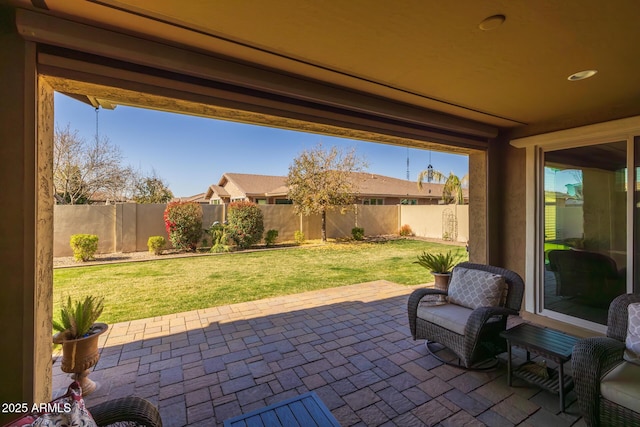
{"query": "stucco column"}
{"type": "Point", "coordinates": [478, 225]}
{"type": "Point", "coordinates": [26, 221]}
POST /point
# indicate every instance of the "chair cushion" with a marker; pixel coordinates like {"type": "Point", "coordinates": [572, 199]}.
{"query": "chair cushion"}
{"type": "Point", "coordinates": [473, 288]}
{"type": "Point", "coordinates": [449, 316]}
{"type": "Point", "coordinates": [632, 342]}
{"type": "Point", "coordinates": [67, 410]}
{"type": "Point", "coordinates": [621, 385]}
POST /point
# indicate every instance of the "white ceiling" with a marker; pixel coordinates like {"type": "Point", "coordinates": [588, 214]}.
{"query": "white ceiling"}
{"type": "Point", "coordinates": [427, 53]}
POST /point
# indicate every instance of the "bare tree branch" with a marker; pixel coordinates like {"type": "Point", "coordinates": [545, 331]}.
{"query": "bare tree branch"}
{"type": "Point", "coordinates": [151, 189]}
{"type": "Point", "coordinates": [83, 169]}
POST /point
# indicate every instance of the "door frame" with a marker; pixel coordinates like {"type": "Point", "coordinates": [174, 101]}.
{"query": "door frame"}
{"type": "Point", "coordinates": [616, 130]}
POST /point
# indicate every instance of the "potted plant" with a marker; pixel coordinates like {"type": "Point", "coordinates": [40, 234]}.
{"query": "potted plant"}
{"type": "Point", "coordinates": [78, 334]}
{"type": "Point", "coordinates": [440, 265]}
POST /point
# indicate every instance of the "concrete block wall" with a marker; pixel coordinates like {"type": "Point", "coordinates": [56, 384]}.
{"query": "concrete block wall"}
{"type": "Point", "coordinates": [127, 227]}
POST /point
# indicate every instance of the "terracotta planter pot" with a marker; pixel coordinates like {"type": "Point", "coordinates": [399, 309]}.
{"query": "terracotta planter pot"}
{"type": "Point", "coordinates": [441, 283]}
{"type": "Point", "coordinates": [441, 280]}
{"type": "Point", "coordinates": [80, 355]}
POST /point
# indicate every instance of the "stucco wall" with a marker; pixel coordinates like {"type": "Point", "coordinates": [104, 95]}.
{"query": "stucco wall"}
{"type": "Point", "coordinates": [426, 221]}
{"type": "Point", "coordinates": [149, 222]}
{"type": "Point", "coordinates": [375, 220]}
{"type": "Point", "coordinates": [507, 166]}
{"type": "Point", "coordinates": [120, 228]}
{"type": "Point", "coordinates": [83, 219]}
{"type": "Point", "coordinates": [281, 218]}
{"type": "Point", "coordinates": [479, 222]}
{"type": "Point", "coordinates": [26, 132]}
{"type": "Point", "coordinates": [311, 226]}
{"type": "Point", "coordinates": [127, 227]}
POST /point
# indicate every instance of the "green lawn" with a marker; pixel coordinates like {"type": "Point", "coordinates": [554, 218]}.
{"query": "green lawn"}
{"type": "Point", "coordinates": [138, 290]}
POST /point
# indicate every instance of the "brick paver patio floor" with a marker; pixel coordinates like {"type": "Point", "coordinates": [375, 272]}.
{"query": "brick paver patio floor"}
{"type": "Point", "coordinates": [351, 345]}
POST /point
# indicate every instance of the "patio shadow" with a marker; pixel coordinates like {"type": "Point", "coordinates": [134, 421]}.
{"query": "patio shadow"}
{"type": "Point", "coordinates": [351, 345]}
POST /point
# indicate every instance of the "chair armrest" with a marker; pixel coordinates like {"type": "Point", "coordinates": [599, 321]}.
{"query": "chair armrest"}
{"type": "Point", "coordinates": [479, 317]}
{"type": "Point", "coordinates": [131, 408]}
{"type": "Point", "coordinates": [413, 302]}
{"type": "Point", "coordinates": [591, 359]}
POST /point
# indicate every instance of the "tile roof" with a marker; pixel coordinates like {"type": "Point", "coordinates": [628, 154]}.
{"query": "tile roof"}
{"type": "Point", "coordinates": [198, 198]}
{"type": "Point", "coordinates": [369, 184]}
{"type": "Point", "coordinates": [380, 185]}
{"type": "Point", "coordinates": [252, 184]}
{"type": "Point", "coordinates": [216, 189]}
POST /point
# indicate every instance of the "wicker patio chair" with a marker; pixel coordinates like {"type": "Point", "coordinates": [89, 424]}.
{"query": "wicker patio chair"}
{"type": "Point", "coordinates": [132, 409]}
{"type": "Point", "coordinates": [479, 338]}
{"type": "Point", "coordinates": [594, 358]}
{"type": "Point", "coordinates": [591, 276]}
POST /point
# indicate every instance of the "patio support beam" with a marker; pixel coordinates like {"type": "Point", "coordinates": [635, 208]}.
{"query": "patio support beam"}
{"type": "Point", "coordinates": [26, 223]}
{"type": "Point", "coordinates": [507, 206]}
{"type": "Point", "coordinates": [478, 205]}
{"type": "Point", "coordinates": [238, 80]}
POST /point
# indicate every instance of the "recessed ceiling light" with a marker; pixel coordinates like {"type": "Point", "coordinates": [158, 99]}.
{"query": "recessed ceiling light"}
{"type": "Point", "coordinates": [491, 22]}
{"type": "Point", "coordinates": [582, 75]}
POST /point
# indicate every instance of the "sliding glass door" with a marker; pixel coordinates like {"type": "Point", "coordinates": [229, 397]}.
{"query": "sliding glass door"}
{"type": "Point", "coordinates": [584, 220]}
{"type": "Point", "coordinates": [636, 215]}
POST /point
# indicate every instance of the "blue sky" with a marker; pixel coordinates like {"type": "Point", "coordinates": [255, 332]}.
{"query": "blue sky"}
{"type": "Point", "coordinates": [190, 153]}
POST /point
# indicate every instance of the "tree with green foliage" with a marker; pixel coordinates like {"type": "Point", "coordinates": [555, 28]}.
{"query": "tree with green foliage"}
{"type": "Point", "coordinates": [452, 191]}
{"type": "Point", "coordinates": [245, 224]}
{"type": "Point", "coordinates": [320, 180]}
{"type": "Point", "coordinates": [183, 221]}
{"type": "Point", "coordinates": [151, 189]}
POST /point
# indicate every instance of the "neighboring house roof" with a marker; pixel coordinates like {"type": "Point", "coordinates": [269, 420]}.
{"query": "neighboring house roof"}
{"type": "Point", "coordinates": [254, 185]}
{"type": "Point", "coordinates": [106, 197]}
{"type": "Point", "coordinates": [198, 198]}
{"type": "Point", "coordinates": [386, 186]}
{"type": "Point", "coordinates": [283, 190]}
{"type": "Point", "coordinates": [216, 190]}
{"type": "Point", "coordinates": [369, 184]}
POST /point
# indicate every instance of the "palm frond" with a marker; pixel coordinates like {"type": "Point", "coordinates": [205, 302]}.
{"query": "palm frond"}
{"type": "Point", "coordinates": [436, 175]}
{"type": "Point", "coordinates": [438, 262]}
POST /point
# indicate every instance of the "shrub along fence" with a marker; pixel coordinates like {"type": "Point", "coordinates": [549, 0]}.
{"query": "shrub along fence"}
{"type": "Point", "coordinates": [127, 227]}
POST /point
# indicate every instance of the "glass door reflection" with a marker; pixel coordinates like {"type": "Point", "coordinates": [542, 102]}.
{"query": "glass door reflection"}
{"type": "Point", "coordinates": [585, 229]}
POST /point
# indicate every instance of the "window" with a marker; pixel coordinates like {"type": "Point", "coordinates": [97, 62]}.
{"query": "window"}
{"type": "Point", "coordinates": [214, 201]}
{"type": "Point", "coordinates": [283, 202]}
{"type": "Point", "coordinates": [261, 201]}
{"type": "Point", "coordinates": [409, 202]}
{"type": "Point", "coordinates": [373, 202]}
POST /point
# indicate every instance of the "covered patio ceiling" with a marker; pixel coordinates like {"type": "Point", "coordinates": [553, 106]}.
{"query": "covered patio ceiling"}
{"type": "Point", "coordinates": [441, 56]}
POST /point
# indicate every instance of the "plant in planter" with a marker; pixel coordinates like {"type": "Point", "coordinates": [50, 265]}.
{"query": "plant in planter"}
{"type": "Point", "coordinates": [440, 265]}
{"type": "Point", "coordinates": [78, 333]}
